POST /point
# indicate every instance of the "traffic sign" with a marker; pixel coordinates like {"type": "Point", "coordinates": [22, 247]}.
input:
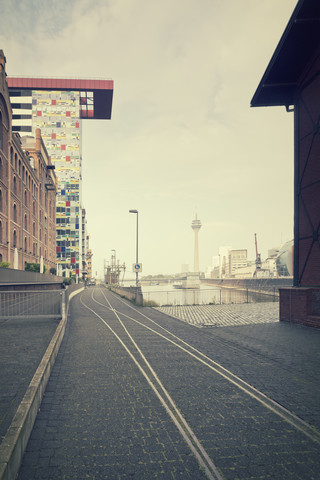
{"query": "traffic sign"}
{"type": "Point", "coordinates": [137, 267]}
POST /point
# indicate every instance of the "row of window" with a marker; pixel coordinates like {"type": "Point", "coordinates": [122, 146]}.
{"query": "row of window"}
{"type": "Point", "coordinates": [26, 244]}
{"type": "Point", "coordinates": [15, 215]}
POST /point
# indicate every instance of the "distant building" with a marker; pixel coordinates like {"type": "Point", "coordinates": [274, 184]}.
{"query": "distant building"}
{"type": "Point", "coordinates": [89, 263]}
{"type": "Point", "coordinates": [246, 272]}
{"type": "Point", "coordinates": [184, 268]}
{"type": "Point", "coordinates": [237, 259]}
{"type": "Point", "coordinates": [284, 260]}
{"type": "Point", "coordinates": [224, 253]}
{"type": "Point", "coordinates": [27, 192]}
{"type": "Point", "coordinates": [57, 106]}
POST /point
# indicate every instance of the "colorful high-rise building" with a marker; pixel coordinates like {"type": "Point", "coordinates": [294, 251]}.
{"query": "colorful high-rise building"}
{"type": "Point", "coordinates": [57, 107]}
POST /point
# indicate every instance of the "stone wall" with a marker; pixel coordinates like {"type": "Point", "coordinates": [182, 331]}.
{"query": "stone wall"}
{"type": "Point", "coordinates": [131, 293]}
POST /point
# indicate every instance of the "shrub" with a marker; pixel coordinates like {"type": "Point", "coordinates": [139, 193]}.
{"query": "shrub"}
{"type": "Point", "coordinates": [4, 264]}
{"type": "Point", "coordinates": [34, 267]}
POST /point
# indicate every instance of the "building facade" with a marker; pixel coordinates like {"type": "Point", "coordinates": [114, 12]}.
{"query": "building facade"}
{"type": "Point", "coordinates": [57, 106]}
{"type": "Point", "coordinates": [237, 259]}
{"type": "Point", "coordinates": [292, 80]}
{"type": "Point", "coordinates": [27, 192]}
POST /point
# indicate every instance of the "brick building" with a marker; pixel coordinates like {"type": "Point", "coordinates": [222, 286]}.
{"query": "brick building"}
{"type": "Point", "coordinates": [27, 192]}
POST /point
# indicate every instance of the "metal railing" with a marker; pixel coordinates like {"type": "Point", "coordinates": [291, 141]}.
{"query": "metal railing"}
{"type": "Point", "coordinates": [31, 304]}
{"type": "Point", "coordinates": [215, 296]}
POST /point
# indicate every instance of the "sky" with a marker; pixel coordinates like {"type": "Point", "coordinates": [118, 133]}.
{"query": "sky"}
{"type": "Point", "coordinates": [183, 138]}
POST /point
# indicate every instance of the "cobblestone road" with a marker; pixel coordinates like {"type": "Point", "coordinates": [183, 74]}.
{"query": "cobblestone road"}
{"type": "Point", "coordinates": [101, 420]}
{"type": "Point", "coordinates": [225, 315]}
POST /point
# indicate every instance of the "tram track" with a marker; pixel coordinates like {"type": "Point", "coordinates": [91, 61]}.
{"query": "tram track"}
{"type": "Point", "coordinates": [266, 401]}
{"type": "Point", "coordinates": [160, 391]}
{"type": "Point", "coordinates": [121, 330]}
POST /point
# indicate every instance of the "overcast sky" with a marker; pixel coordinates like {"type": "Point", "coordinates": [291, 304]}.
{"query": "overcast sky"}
{"type": "Point", "coordinates": [183, 137]}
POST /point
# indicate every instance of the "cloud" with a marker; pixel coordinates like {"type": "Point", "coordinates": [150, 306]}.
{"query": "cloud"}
{"type": "Point", "coordinates": [182, 134]}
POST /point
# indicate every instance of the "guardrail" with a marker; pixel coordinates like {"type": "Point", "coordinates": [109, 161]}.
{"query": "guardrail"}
{"type": "Point", "coordinates": [31, 303]}
{"type": "Point", "coordinates": [15, 440]}
{"type": "Point", "coordinates": [206, 296]}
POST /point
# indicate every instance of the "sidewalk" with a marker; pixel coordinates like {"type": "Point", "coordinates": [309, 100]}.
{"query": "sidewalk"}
{"type": "Point", "coordinates": [22, 346]}
{"type": "Point", "coordinates": [243, 332]}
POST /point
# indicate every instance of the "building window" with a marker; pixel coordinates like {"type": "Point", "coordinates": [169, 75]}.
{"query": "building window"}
{"type": "Point", "coordinates": [0, 231]}
{"type": "Point", "coordinates": [25, 244]}
{"type": "Point", "coordinates": [1, 201]}
{"type": "Point", "coordinates": [11, 156]}
{"type": "Point", "coordinates": [34, 229]}
{"type": "Point", "coordinates": [1, 173]}
{"type": "Point", "coordinates": [15, 213]}
{"type": "Point", "coordinates": [14, 185]}
{"type": "Point", "coordinates": [26, 222]}
{"type": "Point", "coordinates": [14, 238]}
{"type": "Point", "coordinates": [25, 197]}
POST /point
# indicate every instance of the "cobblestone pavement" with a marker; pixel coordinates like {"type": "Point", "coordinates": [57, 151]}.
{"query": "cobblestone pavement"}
{"type": "Point", "coordinates": [22, 345]}
{"type": "Point", "coordinates": [100, 419]}
{"type": "Point", "coordinates": [225, 315]}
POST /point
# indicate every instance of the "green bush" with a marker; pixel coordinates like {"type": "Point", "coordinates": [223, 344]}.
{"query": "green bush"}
{"type": "Point", "coordinates": [4, 264]}
{"type": "Point", "coordinates": [53, 271]}
{"type": "Point", "coordinates": [34, 267]}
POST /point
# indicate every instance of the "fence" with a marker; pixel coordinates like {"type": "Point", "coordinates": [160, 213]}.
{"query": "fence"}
{"type": "Point", "coordinates": [215, 296]}
{"type": "Point", "coordinates": [31, 304]}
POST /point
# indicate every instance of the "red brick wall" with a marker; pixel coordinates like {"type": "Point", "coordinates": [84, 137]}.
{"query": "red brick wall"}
{"type": "Point", "coordinates": [296, 306]}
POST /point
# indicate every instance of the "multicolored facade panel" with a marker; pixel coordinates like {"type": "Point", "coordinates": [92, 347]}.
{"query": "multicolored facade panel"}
{"type": "Point", "coordinates": [57, 114]}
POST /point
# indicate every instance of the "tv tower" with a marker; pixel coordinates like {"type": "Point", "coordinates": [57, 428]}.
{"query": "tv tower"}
{"type": "Point", "coordinates": [196, 225]}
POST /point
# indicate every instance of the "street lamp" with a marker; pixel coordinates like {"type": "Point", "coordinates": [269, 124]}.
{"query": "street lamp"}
{"type": "Point", "coordinates": [137, 261]}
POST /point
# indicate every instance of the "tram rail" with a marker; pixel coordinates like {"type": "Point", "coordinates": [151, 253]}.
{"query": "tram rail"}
{"type": "Point", "coordinates": [121, 330]}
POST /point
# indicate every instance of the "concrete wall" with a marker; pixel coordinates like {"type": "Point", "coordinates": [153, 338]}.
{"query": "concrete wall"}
{"type": "Point", "coordinates": [9, 275]}
{"type": "Point", "coordinates": [131, 293]}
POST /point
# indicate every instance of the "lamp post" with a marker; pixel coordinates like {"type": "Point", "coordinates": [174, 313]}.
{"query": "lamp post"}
{"type": "Point", "coordinates": [137, 261]}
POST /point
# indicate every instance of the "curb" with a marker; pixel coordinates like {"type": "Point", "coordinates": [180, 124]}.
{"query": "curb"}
{"type": "Point", "coordinates": [15, 441]}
